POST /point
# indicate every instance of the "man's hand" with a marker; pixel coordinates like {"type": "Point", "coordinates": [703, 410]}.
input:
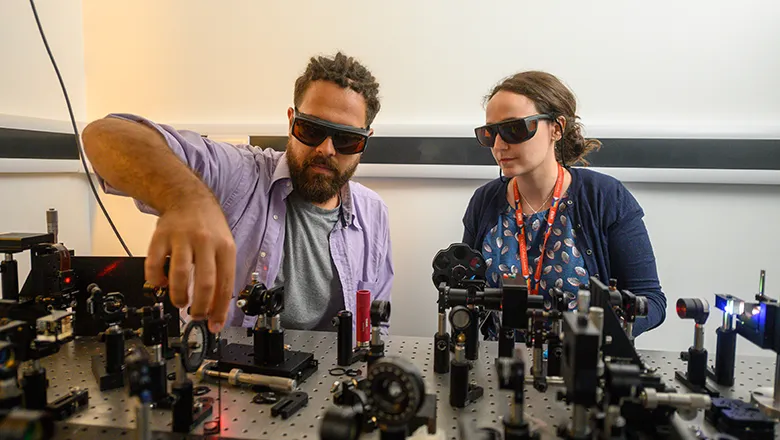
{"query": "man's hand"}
{"type": "Point", "coordinates": [195, 232]}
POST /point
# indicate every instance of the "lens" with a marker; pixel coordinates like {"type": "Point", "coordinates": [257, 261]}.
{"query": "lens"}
{"type": "Point", "coordinates": [460, 317]}
{"type": "Point", "coordinates": [515, 132]}
{"type": "Point", "coordinates": [693, 308]}
{"type": "Point", "coordinates": [682, 308]}
{"type": "Point", "coordinates": [309, 133]}
{"type": "Point", "coordinates": [396, 390]}
{"type": "Point", "coordinates": [380, 311]}
{"type": "Point", "coordinates": [7, 359]}
{"type": "Point", "coordinates": [273, 301]}
{"type": "Point", "coordinates": [458, 272]}
{"type": "Point", "coordinates": [349, 143]}
{"type": "Point", "coordinates": [193, 345]}
{"type": "Point", "coordinates": [485, 136]}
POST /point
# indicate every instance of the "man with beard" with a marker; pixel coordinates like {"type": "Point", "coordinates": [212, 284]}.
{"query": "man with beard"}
{"type": "Point", "coordinates": [228, 211]}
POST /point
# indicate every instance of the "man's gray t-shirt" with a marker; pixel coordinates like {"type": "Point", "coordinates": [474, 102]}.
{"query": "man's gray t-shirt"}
{"type": "Point", "coordinates": [312, 289]}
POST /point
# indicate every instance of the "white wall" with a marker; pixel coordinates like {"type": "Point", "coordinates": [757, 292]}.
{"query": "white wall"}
{"type": "Point", "coordinates": [31, 98]}
{"type": "Point", "coordinates": [635, 66]}
{"type": "Point", "coordinates": [694, 69]}
{"type": "Point", "coordinates": [28, 83]}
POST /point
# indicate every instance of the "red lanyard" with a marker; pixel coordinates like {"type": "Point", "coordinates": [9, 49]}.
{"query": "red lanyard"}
{"type": "Point", "coordinates": [522, 248]}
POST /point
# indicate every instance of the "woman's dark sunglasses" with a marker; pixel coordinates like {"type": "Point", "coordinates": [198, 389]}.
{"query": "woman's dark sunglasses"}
{"type": "Point", "coordinates": [313, 131]}
{"type": "Point", "coordinates": [513, 131]}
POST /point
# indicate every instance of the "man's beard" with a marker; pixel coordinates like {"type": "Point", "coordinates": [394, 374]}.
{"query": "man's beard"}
{"type": "Point", "coordinates": [313, 186]}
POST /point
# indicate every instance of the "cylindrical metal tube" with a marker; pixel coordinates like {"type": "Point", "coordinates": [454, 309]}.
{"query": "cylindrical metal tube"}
{"type": "Point", "coordinates": [273, 382]}
{"type": "Point", "coordinates": [115, 349]}
{"type": "Point", "coordinates": [579, 421]}
{"type": "Point", "coordinates": [516, 410]}
{"type": "Point", "coordinates": [344, 340]}
{"type": "Point", "coordinates": [442, 323]}
{"type": "Point", "coordinates": [650, 399]}
{"type": "Point", "coordinates": [34, 388]}
{"type": "Point", "coordinates": [363, 321]}
{"type": "Point", "coordinates": [583, 301]}
{"type": "Point", "coordinates": [143, 421]}
{"type": "Point", "coordinates": [554, 356]}
{"type": "Point", "coordinates": [538, 359]}
{"type": "Point", "coordinates": [275, 344]}
{"type": "Point", "coordinates": [506, 342]}
{"type": "Point", "coordinates": [183, 404]}
{"type": "Point", "coordinates": [697, 367]}
{"type": "Point", "coordinates": [159, 387]}
{"type": "Point", "coordinates": [260, 337]}
{"type": "Point", "coordinates": [275, 323]}
{"type": "Point", "coordinates": [472, 336]}
{"type": "Point", "coordinates": [441, 353]}
{"type": "Point", "coordinates": [556, 327]}
{"type": "Point", "coordinates": [375, 353]}
{"type": "Point", "coordinates": [596, 316]}
{"type": "Point", "coordinates": [727, 320]}
{"type": "Point", "coordinates": [725, 357]}
{"type": "Point", "coordinates": [157, 353]}
{"type": "Point", "coordinates": [52, 224]}
{"type": "Point", "coordinates": [698, 337]}
{"type": "Point", "coordinates": [181, 374]}
{"type": "Point", "coordinates": [235, 376]}
{"type": "Point", "coordinates": [376, 335]}
{"type": "Point", "coordinates": [459, 383]}
{"type": "Point", "coordinates": [460, 353]}
{"type": "Point", "coordinates": [551, 381]}
{"type": "Point", "coordinates": [10, 278]}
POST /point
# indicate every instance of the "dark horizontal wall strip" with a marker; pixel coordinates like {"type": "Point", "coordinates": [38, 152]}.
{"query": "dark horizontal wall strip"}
{"type": "Point", "coordinates": [31, 144]}
{"type": "Point", "coordinates": [728, 154]}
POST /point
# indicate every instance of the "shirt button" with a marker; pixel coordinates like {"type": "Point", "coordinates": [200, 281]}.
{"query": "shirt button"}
{"type": "Point", "coordinates": [589, 252]}
{"type": "Point", "coordinates": [262, 254]}
{"type": "Point", "coordinates": [276, 217]}
{"type": "Point", "coordinates": [579, 226]}
{"type": "Point", "coordinates": [569, 202]}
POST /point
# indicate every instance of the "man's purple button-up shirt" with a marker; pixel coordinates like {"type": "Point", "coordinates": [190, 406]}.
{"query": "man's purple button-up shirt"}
{"type": "Point", "coordinates": [252, 184]}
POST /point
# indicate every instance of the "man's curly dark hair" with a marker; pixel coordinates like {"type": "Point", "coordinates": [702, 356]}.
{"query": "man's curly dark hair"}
{"type": "Point", "coordinates": [346, 72]}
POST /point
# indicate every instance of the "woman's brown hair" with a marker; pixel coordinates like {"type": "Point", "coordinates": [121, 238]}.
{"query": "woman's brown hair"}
{"type": "Point", "coordinates": [551, 96]}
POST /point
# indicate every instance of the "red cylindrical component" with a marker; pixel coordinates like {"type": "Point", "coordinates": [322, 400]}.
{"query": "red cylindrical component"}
{"type": "Point", "coordinates": [363, 318]}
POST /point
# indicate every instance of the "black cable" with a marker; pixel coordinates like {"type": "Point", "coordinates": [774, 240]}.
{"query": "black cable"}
{"type": "Point", "coordinates": [75, 129]}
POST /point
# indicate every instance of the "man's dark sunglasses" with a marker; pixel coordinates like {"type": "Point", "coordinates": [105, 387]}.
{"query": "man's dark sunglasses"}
{"type": "Point", "coordinates": [513, 131]}
{"type": "Point", "coordinates": [313, 131]}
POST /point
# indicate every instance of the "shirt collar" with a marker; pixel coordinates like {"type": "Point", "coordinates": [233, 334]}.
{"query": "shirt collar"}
{"type": "Point", "coordinates": [281, 176]}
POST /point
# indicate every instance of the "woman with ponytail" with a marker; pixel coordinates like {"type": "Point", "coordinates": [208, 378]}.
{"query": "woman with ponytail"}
{"type": "Point", "coordinates": [554, 225]}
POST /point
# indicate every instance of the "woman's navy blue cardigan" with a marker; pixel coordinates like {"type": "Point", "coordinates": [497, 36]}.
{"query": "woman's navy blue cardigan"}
{"type": "Point", "coordinates": [608, 222]}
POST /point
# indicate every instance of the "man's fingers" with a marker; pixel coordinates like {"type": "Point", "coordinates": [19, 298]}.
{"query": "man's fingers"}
{"type": "Point", "coordinates": [205, 281]}
{"type": "Point", "coordinates": [226, 275]}
{"type": "Point", "coordinates": [155, 260]}
{"type": "Point", "coordinates": [179, 274]}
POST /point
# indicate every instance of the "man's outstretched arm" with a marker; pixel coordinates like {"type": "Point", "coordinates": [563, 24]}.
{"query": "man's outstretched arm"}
{"type": "Point", "coordinates": [136, 160]}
